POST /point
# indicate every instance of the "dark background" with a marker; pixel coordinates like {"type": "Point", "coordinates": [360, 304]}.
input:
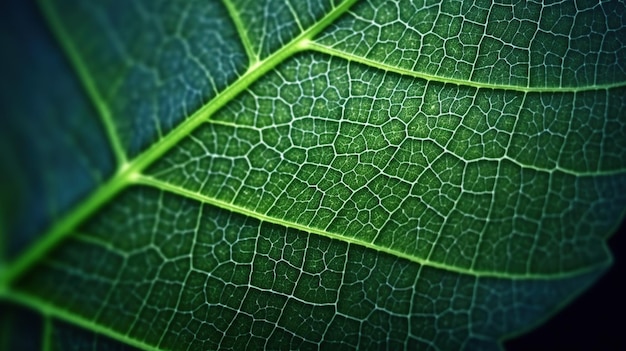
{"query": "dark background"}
{"type": "Point", "coordinates": [596, 320]}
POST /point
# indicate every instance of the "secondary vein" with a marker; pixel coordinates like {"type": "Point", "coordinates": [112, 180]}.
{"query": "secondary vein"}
{"type": "Point", "coordinates": [253, 57]}
{"type": "Point", "coordinates": [407, 72]}
{"type": "Point", "coordinates": [174, 189]}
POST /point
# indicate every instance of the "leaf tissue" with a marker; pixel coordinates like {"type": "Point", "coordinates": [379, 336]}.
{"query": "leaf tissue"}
{"type": "Point", "coordinates": [320, 174]}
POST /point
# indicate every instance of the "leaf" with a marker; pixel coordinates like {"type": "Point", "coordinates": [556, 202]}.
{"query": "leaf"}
{"type": "Point", "coordinates": [268, 174]}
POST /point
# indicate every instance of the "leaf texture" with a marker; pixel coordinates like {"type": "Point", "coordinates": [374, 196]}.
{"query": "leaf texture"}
{"type": "Point", "coordinates": [308, 175]}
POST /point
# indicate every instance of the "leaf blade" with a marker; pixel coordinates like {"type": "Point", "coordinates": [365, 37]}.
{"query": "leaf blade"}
{"type": "Point", "coordinates": [299, 259]}
{"type": "Point", "coordinates": [210, 272]}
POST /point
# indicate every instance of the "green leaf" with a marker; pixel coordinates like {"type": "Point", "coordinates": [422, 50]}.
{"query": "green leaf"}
{"type": "Point", "coordinates": [300, 175]}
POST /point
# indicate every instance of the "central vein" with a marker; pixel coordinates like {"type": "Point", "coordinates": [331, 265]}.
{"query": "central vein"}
{"type": "Point", "coordinates": [129, 171]}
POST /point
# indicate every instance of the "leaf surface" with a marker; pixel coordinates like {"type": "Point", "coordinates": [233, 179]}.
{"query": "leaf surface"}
{"type": "Point", "coordinates": [317, 174]}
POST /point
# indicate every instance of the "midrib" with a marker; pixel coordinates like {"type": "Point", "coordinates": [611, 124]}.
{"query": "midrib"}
{"type": "Point", "coordinates": [128, 171]}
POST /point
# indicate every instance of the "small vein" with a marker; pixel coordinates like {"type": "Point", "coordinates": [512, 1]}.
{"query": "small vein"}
{"type": "Point", "coordinates": [555, 169]}
{"type": "Point", "coordinates": [88, 83]}
{"type": "Point", "coordinates": [253, 57]}
{"type": "Point", "coordinates": [295, 15]}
